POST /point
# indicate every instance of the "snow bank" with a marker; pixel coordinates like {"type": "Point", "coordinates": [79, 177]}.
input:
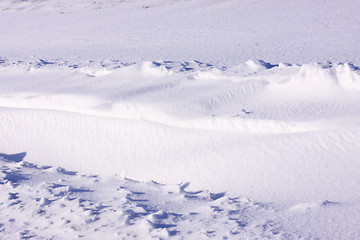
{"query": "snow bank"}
{"type": "Point", "coordinates": [274, 130]}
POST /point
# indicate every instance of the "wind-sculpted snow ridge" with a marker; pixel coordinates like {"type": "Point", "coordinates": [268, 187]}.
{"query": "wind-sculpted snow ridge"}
{"type": "Point", "coordinates": [109, 64]}
{"type": "Point", "coordinates": [163, 91]}
{"type": "Point", "coordinates": [44, 202]}
{"type": "Point", "coordinates": [267, 130]}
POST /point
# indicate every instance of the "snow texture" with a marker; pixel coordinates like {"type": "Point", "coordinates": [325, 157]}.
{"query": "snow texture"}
{"type": "Point", "coordinates": [44, 202]}
{"type": "Point", "coordinates": [145, 119]}
{"type": "Point", "coordinates": [217, 31]}
{"type": "Point", "coordinates": [275, 133]}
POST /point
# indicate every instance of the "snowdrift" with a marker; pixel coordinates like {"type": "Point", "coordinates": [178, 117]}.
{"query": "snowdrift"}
{"type": "Point", "coordinates": [251, 150]}
{"type": "Point", "coordinates": [268, 131]}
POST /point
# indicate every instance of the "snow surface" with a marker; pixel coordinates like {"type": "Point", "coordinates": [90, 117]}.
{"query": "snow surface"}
{"type": "Point", "coordinates": [219, 147]}
{"type": "Point", "coordinates": [215, 31]}
{"type": "Point", "coordinates": [283, 134]}
{"type": "Point", "coordinates": [65, 205]}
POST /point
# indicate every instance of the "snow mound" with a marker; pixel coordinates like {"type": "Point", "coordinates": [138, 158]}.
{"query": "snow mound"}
{"type": "Point", "coordinates": [174, 89]}
{"type": "Point", "coordinates": [190, 122]}
{"type": "Point", "coordinates": [322, 80]}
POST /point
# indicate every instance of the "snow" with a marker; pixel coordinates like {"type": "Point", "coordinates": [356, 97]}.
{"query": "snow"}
{"type": "Point", "coordinates": [146, 119]}
{"type": "Point", "coordinates": [44, 202]}
{"type": "Point", "coordinates": [220, 32]}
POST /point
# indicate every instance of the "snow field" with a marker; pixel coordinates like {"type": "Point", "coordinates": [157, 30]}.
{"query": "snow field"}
{"type": "Point", "coordinates": [275, 131]}
{"type": "Point", "coordinates": [257, 150]}
{"type": "Point", "coordinates": [220, 32]}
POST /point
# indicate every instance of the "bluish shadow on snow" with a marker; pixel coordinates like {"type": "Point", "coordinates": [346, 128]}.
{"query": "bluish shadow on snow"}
{"type": "Point", "coordinates": [18, 157]}
{"type": "Point", "coordinates": [42, 62]}
{"type": "Point", "coordinates": [14, 177]}
{"type": "Point", "coordinates": [216, 196]}
{"type": "Point", "coordinates": [64, 171]}
{"type": "Point", "coordinates": [353, 67]}
{"type": "Point", "coordinates": [267, 65]}
{"type": "Point", "coordinates": [328, 203]}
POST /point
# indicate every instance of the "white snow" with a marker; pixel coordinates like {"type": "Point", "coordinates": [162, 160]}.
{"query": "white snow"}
{"type": "Point", "coordinates": [65, 205]}
{"type": "Point", "coordinates": [110, 129]}
{"type": "Point", "coordinates": [220, 32]}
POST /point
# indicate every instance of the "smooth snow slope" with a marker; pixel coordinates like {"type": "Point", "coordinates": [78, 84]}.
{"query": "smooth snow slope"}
{"type": "Point", "coordinates": [225, 32]}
